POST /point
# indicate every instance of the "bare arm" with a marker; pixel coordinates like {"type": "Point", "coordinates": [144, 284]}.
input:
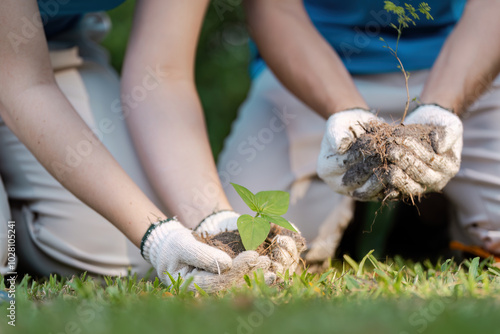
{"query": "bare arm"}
{"type": "Point", "coordinates": [34, 108]}
{"type": "Point", "coordinates": [167, 125]}
{"type": "Point", "coordinates": [299, 56]}
{"type": "Point", "coordinates": [469, 60]}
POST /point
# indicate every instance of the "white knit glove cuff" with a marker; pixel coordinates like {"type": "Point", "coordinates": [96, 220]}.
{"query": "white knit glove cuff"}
{"type": "Point", "coordinates": [155, 236]}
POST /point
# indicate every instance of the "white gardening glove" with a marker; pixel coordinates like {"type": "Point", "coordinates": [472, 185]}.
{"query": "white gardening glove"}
{"type": "Point", "coordinates": [334, 160]}
{"type": "Point", "coordinates": [171, 247]}
{"type": "Point", "coordinates": [416, 170]}
{"type": "Point", "coordinates": [285, 250]}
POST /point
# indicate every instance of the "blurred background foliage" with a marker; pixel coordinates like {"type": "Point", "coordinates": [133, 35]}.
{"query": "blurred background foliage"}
{"type": "Point", "coordinates": [221, 64]}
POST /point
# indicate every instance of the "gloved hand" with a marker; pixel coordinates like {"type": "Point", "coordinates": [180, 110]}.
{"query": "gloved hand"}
{"type": "Point", "coordinates": [284, 253]}
{"type": "Point", "coordinates": [171, 247]}
{"type": "Point", "coordinates": [334, 162]}
{"type": "Point", "coordinates": [416, 170]}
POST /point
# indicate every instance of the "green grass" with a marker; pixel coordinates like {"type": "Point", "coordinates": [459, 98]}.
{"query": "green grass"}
{"type": "Point", "coordinates": [366, 297]}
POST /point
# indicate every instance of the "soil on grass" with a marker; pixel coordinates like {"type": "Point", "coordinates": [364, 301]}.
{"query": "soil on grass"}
{"type": "Point", "coordinates": [373, 147]}
{"type": "Point", "coordinates": [230, 241]}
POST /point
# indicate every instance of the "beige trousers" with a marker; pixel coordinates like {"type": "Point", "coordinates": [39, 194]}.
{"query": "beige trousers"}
{"type": "Point", "coordinates": [56, 232]}
{"type": "Point", "coordinates": [275, 141]}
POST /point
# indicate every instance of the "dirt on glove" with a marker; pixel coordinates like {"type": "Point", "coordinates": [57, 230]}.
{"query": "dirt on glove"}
{"type": "Point", "coordinates": [373, 147]}
{"type": "Point", "coordinates": [230, 241]}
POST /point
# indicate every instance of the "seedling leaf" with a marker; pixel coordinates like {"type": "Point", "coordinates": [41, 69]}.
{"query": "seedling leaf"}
{"type": "Point", "coordinates": [253, 231]}
{"type": "Point", "coordinates": [247, 196]}
{"type": "Point", "coordinates": [273, 202]}
{"type": "Point", "coordinates": [279, 221]}
{"type": "Point", "coordinates": [411, 10]}
{"type": "Point", "coordinates": [424, 8]}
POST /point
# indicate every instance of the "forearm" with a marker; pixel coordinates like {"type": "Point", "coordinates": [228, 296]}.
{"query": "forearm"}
{"type": "Point", "coordinates": [46, 123]}
{"type": "Point", "coordinates": [469, 60]}
{"type": "Point", "coordinates": [169, 133]}
{"type": "Point", "coordinates": [299, 56]}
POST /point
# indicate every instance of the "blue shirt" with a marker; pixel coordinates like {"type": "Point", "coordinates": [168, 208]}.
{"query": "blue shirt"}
{"type": "Point", "coordinates": [60, 15]}
{"type": "Point", "coordinates": [354, 28]}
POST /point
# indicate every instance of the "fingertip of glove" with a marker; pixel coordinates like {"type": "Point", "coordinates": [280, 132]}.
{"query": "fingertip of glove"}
{"type": "Point", "coordinates": [442, 141]}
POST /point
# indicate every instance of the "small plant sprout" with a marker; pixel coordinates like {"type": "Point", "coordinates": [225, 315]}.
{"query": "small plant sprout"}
{"type": "Point", "coordinates": [406, 16]}
{"type": "Point", "coordinates": [269, 207]}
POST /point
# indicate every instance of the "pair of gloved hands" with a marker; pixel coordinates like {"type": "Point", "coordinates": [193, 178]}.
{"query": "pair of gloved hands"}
{"type": "Point", "coordinates": [414, 169]}
{"type": "Point", "coordinates": [171, 247]}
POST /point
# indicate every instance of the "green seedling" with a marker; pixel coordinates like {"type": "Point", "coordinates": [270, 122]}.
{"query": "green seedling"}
{"type": "Point", "coordinates": [406, 16]}
{"type": "Point", "coordinates": [269, 206]}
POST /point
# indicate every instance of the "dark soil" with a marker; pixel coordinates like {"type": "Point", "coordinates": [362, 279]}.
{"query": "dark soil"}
{"type": "Point", "coordinates": [373, 147]}
{"type": "Point", "coordinates": [230, 241]}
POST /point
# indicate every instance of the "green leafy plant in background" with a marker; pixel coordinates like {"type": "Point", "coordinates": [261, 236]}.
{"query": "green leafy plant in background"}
{"type": "Point", "coordinates": [269, 206]}
{"type": "Point", "coordinates": [406, 16]}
